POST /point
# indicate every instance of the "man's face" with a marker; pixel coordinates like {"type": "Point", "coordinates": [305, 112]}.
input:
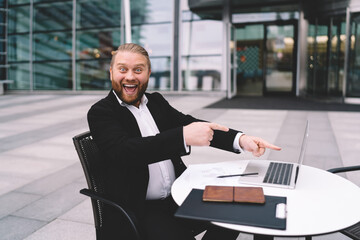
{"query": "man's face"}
{"type": "Point", "coordinates": [129, 77]}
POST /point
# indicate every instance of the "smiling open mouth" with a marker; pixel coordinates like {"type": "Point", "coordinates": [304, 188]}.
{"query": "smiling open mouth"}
{"type": "Point", "coordinates": [130, 88]}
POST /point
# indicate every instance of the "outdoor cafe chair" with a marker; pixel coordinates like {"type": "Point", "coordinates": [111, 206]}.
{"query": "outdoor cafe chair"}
{"type": "Point", "coordinates": [91, 158]}
{"type": "Point", "coordinates": [352, 232]}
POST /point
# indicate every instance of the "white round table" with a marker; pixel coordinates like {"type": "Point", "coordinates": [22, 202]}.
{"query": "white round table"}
{"type": "Point", "coordinates": [321, 203]}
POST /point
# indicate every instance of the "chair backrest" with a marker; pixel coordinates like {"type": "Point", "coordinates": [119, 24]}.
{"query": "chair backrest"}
{"type": "Point", "coordinates": [91, 162]}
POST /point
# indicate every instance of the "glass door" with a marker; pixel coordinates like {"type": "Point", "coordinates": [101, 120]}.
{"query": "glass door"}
{"type": "Point", "coordinates": [353, 79]}
{"type": "Point", "coordinates": [336, 56]}
{"type": "Point", "coordinates": [249, 47]}
{"type": "Point", "coordinates": [280, 59]}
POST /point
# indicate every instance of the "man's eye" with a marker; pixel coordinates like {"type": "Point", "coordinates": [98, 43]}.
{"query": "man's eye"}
{"type": "Point", "coordinates": [122, 69]}
{"type": "Point", "coordinates": [138, 70]}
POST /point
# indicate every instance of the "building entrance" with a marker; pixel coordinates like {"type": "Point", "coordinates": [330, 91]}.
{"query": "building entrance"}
{"type": "Point", "coordinates": [265, 59]}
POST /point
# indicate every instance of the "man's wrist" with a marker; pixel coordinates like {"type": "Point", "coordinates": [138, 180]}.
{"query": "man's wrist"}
{"type": "Point", "coordinates": [186, 147]}
{"type": "Point", "coordinates": [236, 143]}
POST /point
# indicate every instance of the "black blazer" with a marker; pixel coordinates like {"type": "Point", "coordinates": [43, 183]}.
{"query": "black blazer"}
{"type": "Point", "coordinates": [127, 153]}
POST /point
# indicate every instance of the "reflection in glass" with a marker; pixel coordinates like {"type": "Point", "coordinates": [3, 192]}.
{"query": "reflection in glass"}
{"type": "Point", "coordinates": [53, 16]}
{"type": "Point", "coordinates": [107, 13]}
{"type": "Point", "coordinates": [20, 73]}
{"type": "Point", "coordinates": [160, 74]}
{"type": "Point", "coordinates": [201, 37]}
{"type": "Point", "coordinates": [55, 45]}
{"type": "Point", "coordinates": [52, 75]}
{"type": "Point", "coordinates": [96, 44]}
{"type": "Point", "coordinates": [279, 58]}
{"type": "Point", "coordinates": [336, 56]}
{"type": "Point", "coordinates": [249, 57]}
{"type": "Point", "coordinates": [18, 48]}
{"type": "Point", "coordinates": [311, 53]}
{"type": "Point", "coordinates": [14, 2]}
{"type": "Point", "coordinates": [154, 11]}
{"type": "Point", "coordinates": [320, 81]}
{"type": "Point", "coordinates": [353, 80]}
{"type": "Point", "coordinates": [18, 19]}
{"type": "Point", "coordinates": [156, 39]}
{"type": "Point", "coordinates": [93, 75]}
{"type": "Point", "coordinates": [201, 73]}
{"type": "Point", "coordinates": [39, 1]}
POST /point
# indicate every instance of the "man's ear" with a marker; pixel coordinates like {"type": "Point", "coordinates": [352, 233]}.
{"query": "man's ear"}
{"type": "Point", "coordinates": [110, 70]}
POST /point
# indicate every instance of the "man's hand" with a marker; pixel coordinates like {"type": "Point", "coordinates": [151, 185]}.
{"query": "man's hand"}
{"type": "Point", "coordinates": [201, 133]}
{"type": "Point", "coordinates": [255, 145]}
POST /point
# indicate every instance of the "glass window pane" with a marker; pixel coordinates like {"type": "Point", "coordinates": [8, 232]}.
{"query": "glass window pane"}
{"type": "Point", "coordinates": [14, 2]}
{"type": "Point", "coordinates": [311, 53]}
{"type": "Point", "coordinates": [201, 73]}
{"type": "Point", "coordinates": [20, 74]}
{"type": "Point", "coordinates": [38, 1]}
{"type": "Point", "coordinates": [56, 45]}
{"type": "Point", "coordinates": [279, 58]}
{"type": "Point", "coordinates": [19, 19]}
{"type": "Point", "coordinates": [157, 38]}
{"type": "Point", "coordinates": [93, 75]}
{"type": "Point", "coordinates": [154, 11]}
{"type": "Point", "coordinates": [353, 79]}
{"type": "Point", "coordinates": [18, 48]}
{"type": "Point", "coordinates": [53, 16]}
{"type": "Point", "coordinates": [97, 43]}
{"type": "Point", "coordinates": [160, 74]}
{"type": "Point", "coordinates": [52, 76]}
{"type": "Point", "coordinates": [107, 13]}
{"type": "Point", "coordinates": [202, 37]}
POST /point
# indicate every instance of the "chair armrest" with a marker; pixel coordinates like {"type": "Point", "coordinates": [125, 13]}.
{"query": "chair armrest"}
{"type": "Point", "coordinates": [344, 169]}
{"type": "Point", "coordinates": [97, 196]}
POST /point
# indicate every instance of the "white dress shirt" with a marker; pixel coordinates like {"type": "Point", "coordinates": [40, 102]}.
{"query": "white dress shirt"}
{"type": "Point", "coordinates": [161, 174]}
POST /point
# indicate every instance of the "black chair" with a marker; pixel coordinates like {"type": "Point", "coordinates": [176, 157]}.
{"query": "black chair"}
{"type": "Point", "coordinates": [352, 232]}
{"type": "Point", "coordinates": [91, 162]}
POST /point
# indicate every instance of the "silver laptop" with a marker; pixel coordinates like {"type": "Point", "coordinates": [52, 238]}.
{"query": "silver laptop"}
{"type": "Point", "coordinates": [276, 174]}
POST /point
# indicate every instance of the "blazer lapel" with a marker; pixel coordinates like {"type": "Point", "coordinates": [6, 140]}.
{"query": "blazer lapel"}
{"type": "Point", "coordinates": [124, 115]}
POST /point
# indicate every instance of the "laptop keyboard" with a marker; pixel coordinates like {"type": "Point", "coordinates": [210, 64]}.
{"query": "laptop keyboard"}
{"type": "Point", "coordinates": [279, 173]}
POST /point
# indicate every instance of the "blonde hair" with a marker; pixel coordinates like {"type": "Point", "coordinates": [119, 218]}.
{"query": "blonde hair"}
{"type": "Point", "coordinates": [131, 47]}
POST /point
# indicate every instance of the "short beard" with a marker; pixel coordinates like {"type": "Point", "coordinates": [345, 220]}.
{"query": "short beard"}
{"type": "Point", "coordinates": [142, 89]}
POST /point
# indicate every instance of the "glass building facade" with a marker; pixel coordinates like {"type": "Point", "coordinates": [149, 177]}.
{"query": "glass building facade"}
{"type": "Point", "coordinates": [281, 47]}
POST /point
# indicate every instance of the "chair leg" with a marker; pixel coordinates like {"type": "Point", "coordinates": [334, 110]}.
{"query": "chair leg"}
{"type": "Point", "coordinates": [308, 238]}
{"type": "Point", "coordinates": [262, 237]}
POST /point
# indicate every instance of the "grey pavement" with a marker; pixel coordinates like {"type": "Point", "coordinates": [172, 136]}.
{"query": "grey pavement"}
{"type": "Point", "coordinates": [40, 174]}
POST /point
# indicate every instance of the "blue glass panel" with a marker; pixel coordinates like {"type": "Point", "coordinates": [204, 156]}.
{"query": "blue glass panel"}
{"type": "Point", "coordinates": [95, 44]}
{"type": "Point", "coordinates": [14, 2]}
{"type": "Point", "coordinates": [96, 13]}
{"type": "Point", "coordinates": [18, 48]}
{"type": "Point", "coordinates": [20, 74]}
{"type": "Point", "coordinates": [55, 45]}
{"type": "Point", "coordinates": [53, 16]}
{"type": "Point", "coordinates": [18, 20]}
{"type": "Point", "coordinates": [93, 75]}
{"type": "Point", "coordinates": [52, 76]}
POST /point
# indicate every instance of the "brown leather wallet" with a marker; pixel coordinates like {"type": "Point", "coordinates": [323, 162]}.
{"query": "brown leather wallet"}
{"type": "Point", "coordinates": [234, 194]}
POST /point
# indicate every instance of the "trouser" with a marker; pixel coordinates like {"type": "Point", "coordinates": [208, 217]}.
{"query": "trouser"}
{"type": "Point", "coordinates": [160, 224]}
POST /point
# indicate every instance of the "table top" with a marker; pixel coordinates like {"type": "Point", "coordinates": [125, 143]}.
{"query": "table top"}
{"type": "Point", "coordinates": [321, 203]}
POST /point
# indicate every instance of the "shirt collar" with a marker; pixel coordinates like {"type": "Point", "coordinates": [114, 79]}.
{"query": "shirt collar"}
{"type": "Point", "coordinates": [143, 101]}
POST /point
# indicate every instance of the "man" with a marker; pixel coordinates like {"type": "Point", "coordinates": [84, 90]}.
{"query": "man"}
{"type": "Point", "coordinates": [142, 138]}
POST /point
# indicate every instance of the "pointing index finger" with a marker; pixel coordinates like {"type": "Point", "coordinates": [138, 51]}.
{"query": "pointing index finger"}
{"type": "Point", "coordinates": [269, 145]}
